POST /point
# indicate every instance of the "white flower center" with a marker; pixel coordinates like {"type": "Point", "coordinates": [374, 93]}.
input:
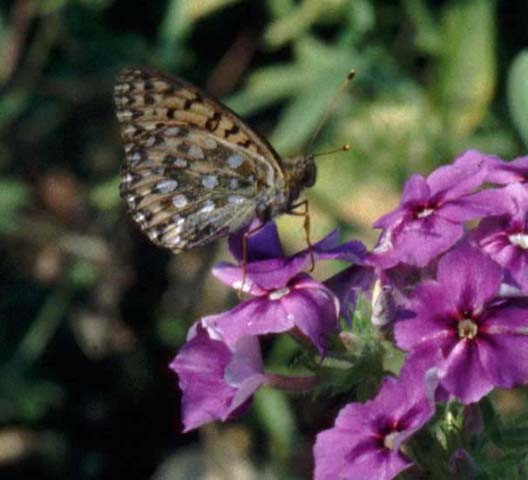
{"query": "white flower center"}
{"type": "Point", "coordinates": [384, 245]}
{"type": "Point", "coordinates": [519, 239]}
{"type": "Point", "coordinates": [388, 441]}
{"type": "Point", "coordinates": [278, 294]}
{"type": "Point", "coordinates": [426, 212]}
{"type": "Point", "coordinates": [467, 329]}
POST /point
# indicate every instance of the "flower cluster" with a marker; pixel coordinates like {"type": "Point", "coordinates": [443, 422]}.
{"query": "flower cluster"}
{"type": "Point", "coordinates": [284, 299]}
{"type": "Point", "coordinates": [451, 294]}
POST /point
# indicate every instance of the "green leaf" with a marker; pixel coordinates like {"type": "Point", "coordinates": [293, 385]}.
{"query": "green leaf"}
{"type": "Point", "coordinates": [13, 196]}
{"type": "Point", "coordinates": [83, 274]}
{"type": "Point", "coordinates": [296, 22]}
{"type": "Point", "coordinates": [277, 417]}
{"type": "Point", "coordinates": [427, 37]}
{"type": "Point", "coordinates": [361, 16]}
{"type": "Point", "coordinates": [310, 82]}
{"type": "Point", "coordinates": [105, 196]}
{"type": "Point", "coordinates": [179, 20]}
{"type": "Point", "coordinates": [293, 25]}
{"type": "Point", "coordinates": [518, 94]}
{"type": "Point", "coordinates": [280, 8]}
{"type": "Point", "coordinates": [206, 7]}
{"type": "Point", "coordinates": [12, 103]}
{"type": "Point", "coordinates": [265, 87]}
{"type": "Point", "coordinates": [467, 73]}
{"type": "Point", "coordinates": [47, 7]}
{"type": "Point", "coordinates": [27, 399]}
{"type": "Point", "coordinates": [301, 117]}
{"type": "Point", "coordinates": [4, 33]}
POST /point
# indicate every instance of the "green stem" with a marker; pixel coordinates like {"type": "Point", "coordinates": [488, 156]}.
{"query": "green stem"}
{"type": "Point", "coordinates": [42, 329]}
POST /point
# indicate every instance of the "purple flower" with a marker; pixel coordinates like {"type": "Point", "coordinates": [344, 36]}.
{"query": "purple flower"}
{"type": "Point", "coordinates": [482, 339]}
{"type": "Point", "coordinates": [430, 217]}
{"type": "Point", "coordinates": [216, 381]}
{"type": "Point", "coordinates": [269, 268]}
{"type": "Point", "coordinates": [366, 439]}
{"type": "Point", "coordinates": [284, 298]}
{"type": "Point", "coordinates": [505, 238]}
{"type": "Point", "coordinates": [504, 173]}
{"type": "Point", "coordinates": [302, 304]}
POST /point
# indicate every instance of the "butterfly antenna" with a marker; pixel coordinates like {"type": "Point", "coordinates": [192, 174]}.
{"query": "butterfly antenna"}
{"type": "Point", "coordinates": [331, 106]}
{"type": "Point", "coordinates": [344, 148]}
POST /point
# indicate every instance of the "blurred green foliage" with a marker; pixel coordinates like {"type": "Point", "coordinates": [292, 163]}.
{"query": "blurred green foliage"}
{"type": "Point", "coordinates": [91, 313]}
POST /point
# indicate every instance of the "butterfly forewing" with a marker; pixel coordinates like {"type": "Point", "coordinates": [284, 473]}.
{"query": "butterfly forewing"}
{"type": "Point", "coordinates": [193, 171]}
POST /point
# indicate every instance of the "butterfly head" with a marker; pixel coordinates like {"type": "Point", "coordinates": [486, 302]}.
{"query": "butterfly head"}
{"type": "Point", "coordinates": [301, 174]}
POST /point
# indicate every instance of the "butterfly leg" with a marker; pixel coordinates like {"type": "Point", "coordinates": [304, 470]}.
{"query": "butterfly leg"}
{"type": "Point", "coordinates": [245, 256]}
{"type": "Point", "coordinates": [306, 214]}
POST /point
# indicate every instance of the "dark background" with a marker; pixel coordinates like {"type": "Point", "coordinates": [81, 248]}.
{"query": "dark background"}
{"type": "Point", "coordinates": [91, 313]}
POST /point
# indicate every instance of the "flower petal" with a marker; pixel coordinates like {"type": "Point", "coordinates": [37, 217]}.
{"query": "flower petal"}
{"type": "Point", "coordinates": [505, 359]}
{"type": "Point", "coordinates": [262, 276]}
{"type": "Point", "coordinates": [246, 361]}
{"type": "Point", "coordinates": [304, 303]}
{"type": "Point", "coordinates": [472, 278]}
{"type": "Point", "coordinates": [503, 343]}
{"type": "Point", "coordinates": [232, 275]}
{"type": "Point", "coordinates": [200, 366]}
{"type": "Point", "coordinates": [467, 173]}
{"type": "Point", "coordinates": [355, 447]}
{"type": "Point", "coordinates": [314, 309]}
{"type": "Point", "coordinates": [415, 191]}
{"type": "Point", "coordinates": [418, 242]}
{"type": "Point", "coordinates": [477, 205]}
{"type": "Point", "coordinates": [503, 173]}
{"type": "Point", "coordinates": [262, 244]}
{"type": "Point", "coordinates": [463, 374]}
{"type": "Point", "coordinates": [391, 219]}
{"type": "Point", "coordinates": [258, 316]}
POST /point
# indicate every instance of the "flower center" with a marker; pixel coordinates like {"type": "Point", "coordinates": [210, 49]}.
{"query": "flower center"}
{"type": "Point", "coordinates": [467, 329]}
{"type": "Point", "coordinates": [425, 212]}
{"type": "Point", "coordinates": [278, 294]}
{"type": "Point", "coordinates": [388, 441]}
{"type": "Point", "coordinates": [520, 239]}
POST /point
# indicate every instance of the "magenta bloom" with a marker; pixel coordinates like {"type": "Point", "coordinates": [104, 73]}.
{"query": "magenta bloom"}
{"type": "Point", "coordinates": [504, 173]}
{"type": "Point", "coordinates": [301, 303]}
{"type": "Point", "coordinates": [216, 381]}
{"type": "Point", "coordinates": [366, 439]}
{"type": "Point", "coordinates": [430, 217]}
{"type": "Point", "coordinates": [284, 298]}
{"type": "Point", "coordinates": [482, 339]}
{"type": "Point", "coordinates": [505, 238]}
{"type": "Point", "coordinates": [269, 268]}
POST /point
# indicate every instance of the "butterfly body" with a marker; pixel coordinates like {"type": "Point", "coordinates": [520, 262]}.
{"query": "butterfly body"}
{"type": "Point", "coordinates": [194, 171]}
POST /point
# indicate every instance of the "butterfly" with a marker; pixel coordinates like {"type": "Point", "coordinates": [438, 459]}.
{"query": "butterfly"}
{"type": "Point", "coordinates": [194, 170]}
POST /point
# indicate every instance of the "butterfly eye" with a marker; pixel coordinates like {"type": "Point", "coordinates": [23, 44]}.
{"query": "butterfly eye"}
{"type": "Point", "coordinates": [309, 175]}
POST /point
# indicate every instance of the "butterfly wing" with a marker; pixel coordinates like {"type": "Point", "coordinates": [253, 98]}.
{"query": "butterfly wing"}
{"type": "Point", "coordinates": [193, 171]}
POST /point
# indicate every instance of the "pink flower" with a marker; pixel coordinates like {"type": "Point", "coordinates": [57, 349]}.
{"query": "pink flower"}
{"type": "Point", "coordinates": [505, 238]}
{"type": "Point", "coordinates": [430, 217]}
{"type": "Point", "coordinates": [284, 297]}
{"type": "Point", "coordinates": [216, 381]}
{"type": "Point", "coordinates": [366, 438]}
{"type": "Point", "coordinates": [482, 339]}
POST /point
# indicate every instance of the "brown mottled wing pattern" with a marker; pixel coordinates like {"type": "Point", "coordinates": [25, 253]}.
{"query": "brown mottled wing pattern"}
{"type": "Point", "coordinates": [193, 171]}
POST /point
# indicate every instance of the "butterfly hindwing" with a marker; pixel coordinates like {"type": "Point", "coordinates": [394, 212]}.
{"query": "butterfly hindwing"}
{"type": "Point", "coordinates": [193, 171]}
